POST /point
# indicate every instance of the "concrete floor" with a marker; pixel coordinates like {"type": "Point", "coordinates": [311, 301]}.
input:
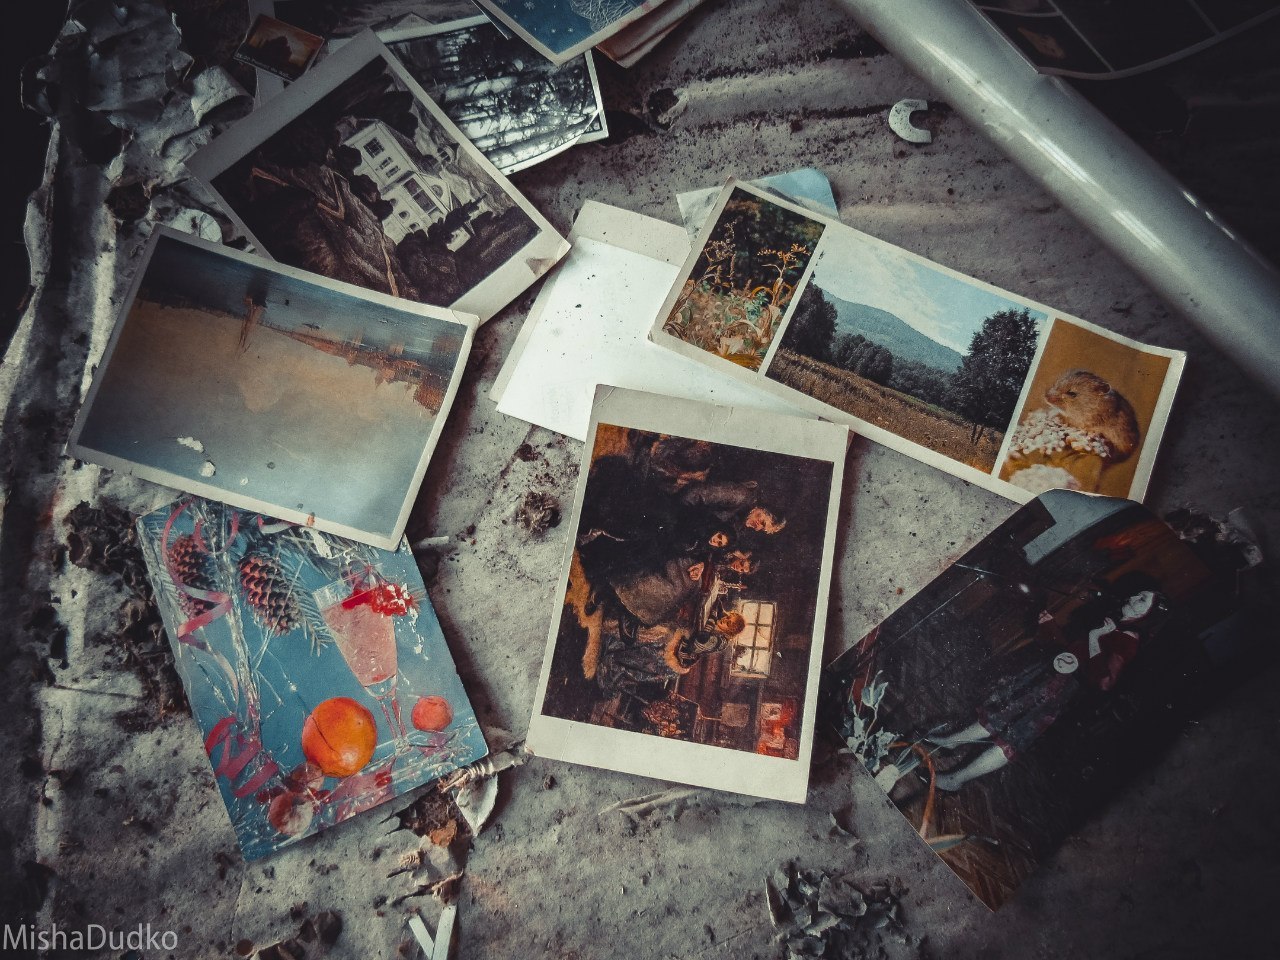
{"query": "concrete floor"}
{"type": "Point", "coordinates": [113, 817]}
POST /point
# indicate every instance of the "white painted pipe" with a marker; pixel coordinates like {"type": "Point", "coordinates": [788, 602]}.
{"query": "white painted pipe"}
{"type": "Point", "coordinates": [1120, 193]}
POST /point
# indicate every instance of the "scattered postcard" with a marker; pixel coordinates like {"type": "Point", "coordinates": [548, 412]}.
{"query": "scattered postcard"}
{"type": "Point", "coordinates": [562, 29]}
{"type": "Point", "coordinates": [991, 387]}
{"type": "Point", "coordinates": [1029, 682]}
{"type": "Point", "coordinates": [632, 42]}
{"type": "Point", "coordinates": [806, 186]}
{"type": "Point", "coordinates": [354, 173]}
{"type": "Point", "coordinates": [687, 635]}
{"type": "Point", "coordinates": [315, 668]}
{"type": "Point", "coordinates": [279, 48]}
{"type": "Point", "coordinates": [233, 377]}
{"type": "Point", "coordinates": [590, 325]}
{"type": "Point", "coordinates": [518, 109]}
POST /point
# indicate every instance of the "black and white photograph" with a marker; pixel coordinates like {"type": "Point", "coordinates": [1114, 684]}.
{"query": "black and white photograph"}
{"type": "Point", "coordinates": [354, 174]}
{"type": "Point", "coordinates": [231, 377]}
{"type": "Point", "coordinates": [517, 107]}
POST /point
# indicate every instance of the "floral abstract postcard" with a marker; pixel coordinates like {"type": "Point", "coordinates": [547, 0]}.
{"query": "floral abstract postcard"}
{"type": "Point", "coordinates": [232, 377]}
{"type": "Point", "coordinates": [993, 388]}
{"type": "Point", "coordinates": [315, 668]}
{"type": "Point", "coordinates": [562, 29]}
{"type": "Point", "coordinates": [518, 109]}
{"type": "Point", "coordinates": [687, 633]}
{"type": "Point", "coordinates": [1001, 705]}
{"type": "Point", "coordinates": [353, 173]}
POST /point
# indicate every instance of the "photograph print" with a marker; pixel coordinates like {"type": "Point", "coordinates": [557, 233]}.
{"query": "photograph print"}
{"type": "Point", "coordinates": [314, 665]}
{"type": "Point", "coordinates": [737, 285]}
{"type": "Point", "coordinates": [1028, 683]}
{"type": "Point", "coordinates": [1093, 414]}
{"type": "Point", "coordinates": [354, 174]}
{"type": "Point", "coordinates": [561, 29]}
{"type": "Point", "coordinates": [514, 105]}
{"type": "Point", "coordinates": [694, 601]}
{"type": "Point", "coordinates": [903, 345]}
{"type": "Point", "coordinates": [232, 377]}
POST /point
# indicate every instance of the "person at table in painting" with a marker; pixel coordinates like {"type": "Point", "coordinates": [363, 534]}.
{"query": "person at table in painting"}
{"type": "Point", "coordinates": [633, 655]}
{"type": "Point", "coordinates": [1022, 706]}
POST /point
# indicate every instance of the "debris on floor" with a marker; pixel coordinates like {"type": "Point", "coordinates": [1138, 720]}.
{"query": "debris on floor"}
{"type": "Point", "coordinates": [824, 915]}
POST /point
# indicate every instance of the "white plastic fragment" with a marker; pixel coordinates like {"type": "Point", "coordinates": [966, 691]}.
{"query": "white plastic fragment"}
{"type": "Point", "coordinates": [900, 121]}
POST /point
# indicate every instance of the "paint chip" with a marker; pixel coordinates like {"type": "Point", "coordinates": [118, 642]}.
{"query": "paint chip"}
{"type": "Point", "coordinates": [192, 443]}
{"type": "Point", "coordinates": [208, 470]}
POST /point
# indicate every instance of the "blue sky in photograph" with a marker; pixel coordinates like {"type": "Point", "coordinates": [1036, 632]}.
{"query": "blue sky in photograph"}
{"type": "Point", "coordinates": [555, 24]}
{"type": "Point", "coordinates": [942, 307]}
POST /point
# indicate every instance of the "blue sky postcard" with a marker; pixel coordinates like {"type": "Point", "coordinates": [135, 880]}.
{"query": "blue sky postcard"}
{"type": "Point", "coordinates": [232, 377]}
{"type": "Point", "coordinates": [1006, 393]}
{"type": "Point", "coordinates": [315, 667]}
{"type": "Point", "coordinates": [562, 29]}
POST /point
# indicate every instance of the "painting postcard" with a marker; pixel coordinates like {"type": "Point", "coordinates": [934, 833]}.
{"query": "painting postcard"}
{"type": "Point", "coordinates": [687, 633]}
{"type": "Point", "coordinates": [355, 174]}
{"type": "Point", "coordinates": [315, 667]}
{"type": "Point", "coordinates": [232, 377]}
{"type": "Point", "coordinates": [517, 108]}
{"type": "Point", "coordinates": [993, 388]}
{"type": "Point", "coordinates": [1024, 686]}
{"type": "Point", "coordinates": [562, 29]}
{"type": "Point", "coordinates": [279, 48]}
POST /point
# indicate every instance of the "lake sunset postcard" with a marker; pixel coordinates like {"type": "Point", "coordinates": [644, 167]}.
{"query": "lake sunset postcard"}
{"type": "Point", "coordinates": [241, 380]}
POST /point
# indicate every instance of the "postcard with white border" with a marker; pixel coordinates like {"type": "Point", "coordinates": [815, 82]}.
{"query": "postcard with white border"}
{"type": "Point", "coordinates": [516, 109]}
{"type": "Point", "coordinates": [687, 635]}
{"type": "Point", "coordinates": [993, 388]}
{"type": "Point", "coordinates": [355, 174]}
{"type": "Point", "coordinates": [562, 29]}
{"type": "Point", "coordinates": [250, 382]}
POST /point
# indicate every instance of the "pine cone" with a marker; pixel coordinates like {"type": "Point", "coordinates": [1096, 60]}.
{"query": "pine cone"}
{"type": "Point", "coordinates": [189, 567]}
{"type": "Point", "coordinates": [268, 592]}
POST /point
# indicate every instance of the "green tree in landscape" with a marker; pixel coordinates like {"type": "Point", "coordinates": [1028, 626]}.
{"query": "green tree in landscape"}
{"type": "Point", "coordinates": [844, 349]}
{"type": "Point", "coordinates": [813, 326]}
{"type": "Point", "coordinates": [986, 387]}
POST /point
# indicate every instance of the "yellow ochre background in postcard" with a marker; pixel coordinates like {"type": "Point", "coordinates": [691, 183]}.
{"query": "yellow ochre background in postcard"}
{"type": "Point", "coordinates": [1136, 375]}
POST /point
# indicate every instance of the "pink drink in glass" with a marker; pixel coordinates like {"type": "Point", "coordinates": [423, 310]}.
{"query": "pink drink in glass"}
{"type": "Point", "coordinates": [366, 639]}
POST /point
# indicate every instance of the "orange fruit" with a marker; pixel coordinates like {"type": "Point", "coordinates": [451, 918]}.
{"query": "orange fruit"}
{"type": "Point", "coordinates": [432, 713]}
{"type": "Point", "coordinates": [339, 736]}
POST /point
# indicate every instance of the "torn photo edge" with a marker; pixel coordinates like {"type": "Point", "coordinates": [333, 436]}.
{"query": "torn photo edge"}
{"type": "Point", "coordinates": [484, 300]}
{"type": "Point", "coordinates": [832, 231]}
{"type": "Point", "coordinates": [697, 764]}
{"type": "Point", "coordinates": [230, 495]}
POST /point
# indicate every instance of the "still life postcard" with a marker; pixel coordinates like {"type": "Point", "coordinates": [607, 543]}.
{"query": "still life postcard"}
{"type": "Point", "coordinates": [355, 174]}
{"type": "Point", "coordinates": [232, 377]}
{"type": "Point", "coordinates": [315, 667]}
{"type": "Point", "coordinates": [516, 107]}
{"type": "Point", "coordinates": [688, 628]}
{"type": "Point", "coordinates": [561, 29]}
{"type": "Point", "coordinates": [995, 389]}
{"type": "Point", "coordinates": [1030, 681]}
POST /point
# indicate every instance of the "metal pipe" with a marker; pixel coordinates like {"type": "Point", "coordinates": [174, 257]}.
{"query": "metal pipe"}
{"type": "Point", "coordinates": [1148, 219]}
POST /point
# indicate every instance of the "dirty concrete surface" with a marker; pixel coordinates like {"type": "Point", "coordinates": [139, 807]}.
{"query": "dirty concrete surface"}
{"type": "Point", "coordinates": [110, 811]}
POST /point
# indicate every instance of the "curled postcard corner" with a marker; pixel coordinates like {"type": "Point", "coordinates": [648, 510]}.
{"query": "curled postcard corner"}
{"type": "Point", "coordinates": [806, 186]}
